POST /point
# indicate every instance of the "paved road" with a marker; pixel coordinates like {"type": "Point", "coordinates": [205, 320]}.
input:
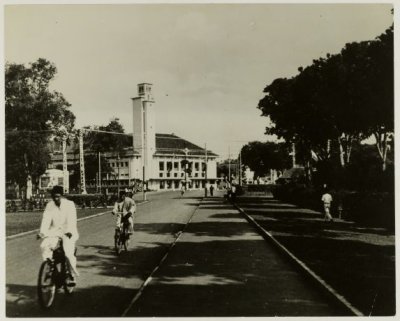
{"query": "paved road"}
{"type": "Point", "coordinates": [107, 283]}
{"type": "Point", "coordinates": [220, 266]}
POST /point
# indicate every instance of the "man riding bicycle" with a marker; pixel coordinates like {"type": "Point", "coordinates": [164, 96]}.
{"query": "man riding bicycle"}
{"type": "Point", "coordinates": [124, 208]}
{"type": "Point", "coordinates": [59, 222]}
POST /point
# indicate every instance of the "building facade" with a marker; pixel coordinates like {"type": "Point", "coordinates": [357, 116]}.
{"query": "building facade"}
{"type": "Point", "coordinates": [162, 161]}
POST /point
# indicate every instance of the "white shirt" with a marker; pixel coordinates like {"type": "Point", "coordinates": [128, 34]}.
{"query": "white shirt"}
{"type": "Point", "coordinates": [326, 198]}
{"type": "Point", "coordinates": [57, 221]}
{"type": "Point", "coordinates": [127, 205]}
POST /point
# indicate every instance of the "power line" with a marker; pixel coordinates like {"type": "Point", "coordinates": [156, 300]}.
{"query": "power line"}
{"type": "Point", "coordinates": [89, 130]}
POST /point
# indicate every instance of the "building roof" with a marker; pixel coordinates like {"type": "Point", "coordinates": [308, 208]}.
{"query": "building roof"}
{"type": "Point", "coordinates": [172, 144]}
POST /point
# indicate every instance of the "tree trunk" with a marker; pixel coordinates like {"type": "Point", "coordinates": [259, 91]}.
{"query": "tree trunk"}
{"type": "Point", "coordinates": [341, 153]}
{"type": "Point", "coordinates": [384, 165]}
{"type": "Point", "coordinates": [345, 146]}
{"type": "Point", "coordinates": [382, 146]}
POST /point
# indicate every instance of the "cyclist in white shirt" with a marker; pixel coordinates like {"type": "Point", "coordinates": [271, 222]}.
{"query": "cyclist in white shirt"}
{"type": "Point", "coordinates": [59, 221]}
{"type": "Point", "coordinates": [124, 208]}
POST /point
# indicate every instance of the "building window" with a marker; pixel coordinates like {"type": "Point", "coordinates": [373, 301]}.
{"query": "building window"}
{"type": "Point", "coordinates": [126, 164]}
{"type": "Point", "coordinates": [196, 166]}
{"type": "Point", "coordinates": [169, 166]}
{"type": "Point", "coordinates": [175, 174]}
{"type": "Point", "coordinates": [161, 174]}
{"type": "Point", "coordinates": [182, 174]}
{"type": "Point", "coordinates": [176, 166]}
{"type": "Point", "coordinates": [203, 174]}
{"type": "Point", "coordinates": [168, 174]}
{"type": "Point", "coordinates": [162, 185]}
{"type": "Point", "coordinates": [161, 166]}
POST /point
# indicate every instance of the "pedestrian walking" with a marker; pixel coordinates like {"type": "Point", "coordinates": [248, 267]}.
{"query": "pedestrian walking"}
{"type": "Point", "coordinates": [327, 200]}
{"type": "Point", "coordinates": [233, 193]}
{"type": "Point", "coordinates": [212, 190]}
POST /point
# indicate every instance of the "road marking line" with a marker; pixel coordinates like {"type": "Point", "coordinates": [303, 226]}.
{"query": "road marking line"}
{"type": "Point", "coordinates": [78, 220]}
{"type": "Point", "coordinates": [150, 277]}
{"type": "Point", "coordinates": [304, 267]}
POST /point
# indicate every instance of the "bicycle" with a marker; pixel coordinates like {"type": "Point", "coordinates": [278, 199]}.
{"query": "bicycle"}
{"type": "Point", "coordinates": [53, 275]}
{"type": "Point", "coordinates": [121, 237]}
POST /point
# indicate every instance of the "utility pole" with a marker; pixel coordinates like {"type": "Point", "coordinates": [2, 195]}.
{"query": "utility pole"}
{"type": "Point", "coordinates": [294, 154]}
{"type": "Point", "coordinates": [99, 173]}
{"type": "Point", "coordinates": [65, 165]}
{"type": "Point", "coordinates": [186, 167]}
{"type": "Point", "coordinates": [132, 172]}
{"type": "Point", "coordinates": [82, 163]}
{"type": "Point", "coordinates": [229, 164]}
{"type": "Point", "coordinates": [118, 174]}
{"type": "Point", "coordinates": [240, 168]}
{"type": "Point", "coordinates": [205, 170]}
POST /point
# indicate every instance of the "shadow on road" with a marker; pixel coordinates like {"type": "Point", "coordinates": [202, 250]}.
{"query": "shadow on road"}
{"type": "Point", "coordinates": [81, 303]}
{"type": "Point", "coordinates": [357, 261]}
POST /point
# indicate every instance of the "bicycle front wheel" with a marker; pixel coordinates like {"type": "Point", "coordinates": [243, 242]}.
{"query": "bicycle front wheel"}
{"type": "Point", "coordinates": [46, 287]}
{"type": "Point", "coordinates": [118, 243]}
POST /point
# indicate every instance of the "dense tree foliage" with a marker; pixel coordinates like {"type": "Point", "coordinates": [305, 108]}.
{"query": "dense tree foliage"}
{"type": "Point", "coordinates": [33, 114]}
{"type": "Point", "coordinates": [341, 98]}
{"type": "Point", "coordinates": [262, 157]}
{"type": "Point", "coordinates": [100, 138]}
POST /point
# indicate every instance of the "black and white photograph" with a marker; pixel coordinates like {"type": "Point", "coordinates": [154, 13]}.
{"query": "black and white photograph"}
{"type": "Point", "coordinates": [198, 159]}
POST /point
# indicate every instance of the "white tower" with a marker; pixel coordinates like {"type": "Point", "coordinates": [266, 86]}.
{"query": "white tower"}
{"type": "Point", "coordinates": [144, 139]}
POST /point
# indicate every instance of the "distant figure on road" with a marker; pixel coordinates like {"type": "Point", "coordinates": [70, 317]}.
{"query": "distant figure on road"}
{"type": "Point", "coordinates": [124, 208]}
{"type": "Point", "coordinates": [182, 190]}
{"type": "Point", "coordinates": [327, 200]}
{"type": "Point", "coordinates": [59, 221]}
{"type": "Point", "coordinates": [233, 193]}
{"type": "Point", "coordinates": [212, 190]}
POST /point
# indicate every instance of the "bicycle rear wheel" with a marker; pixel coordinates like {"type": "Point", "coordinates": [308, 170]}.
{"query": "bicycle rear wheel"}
{"type": "Point", "coordinates": [69, 284]}
{"type": "Point", "coordinates": [46, 287]}
{"type": "Point", "coordinates": [126, 242]}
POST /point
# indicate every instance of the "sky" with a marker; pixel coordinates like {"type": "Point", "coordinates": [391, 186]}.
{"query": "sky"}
{"type": "Point", "coordinates": [208, 63]}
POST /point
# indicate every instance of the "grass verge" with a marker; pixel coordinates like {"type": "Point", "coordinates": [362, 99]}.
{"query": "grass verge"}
{"type": "Point", "coordinates": [26, 221]}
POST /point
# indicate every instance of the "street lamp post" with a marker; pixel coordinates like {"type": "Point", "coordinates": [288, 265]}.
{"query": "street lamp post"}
{"type": "Point", "coordinates": [118, 175]}
{"type": "Point", "coordinates": [205, 170]}
{"type": "Point", "coordinates": [186, 167]}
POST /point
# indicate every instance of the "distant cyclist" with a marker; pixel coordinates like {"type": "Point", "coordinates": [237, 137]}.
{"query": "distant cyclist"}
{"type": "Point", "coordinates": [59, 221]}
{"type": "Point", "coordinates": [124, 209]}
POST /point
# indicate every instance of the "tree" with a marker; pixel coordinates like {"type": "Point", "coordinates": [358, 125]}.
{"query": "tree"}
{"type": "Point", "coordinates": [33, 114]}
{"type": "Point", "coordinates": [379, 95]}
{"type": "Point", "coordinates": [227, 166]}
{"type": "Point", "coordinates": [342, 98]}
{"type": "Point", "coordinates": [91, 169]}
{"type": "Point", "coordinates": [97, 140]}
{"type": "Point", "coordinates": [262, 157]}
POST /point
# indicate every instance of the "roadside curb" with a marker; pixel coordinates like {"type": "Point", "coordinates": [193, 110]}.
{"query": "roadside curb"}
{"type": "Point", "coordinates": [78, 220]}
{"type": "Point", "coordinates": [150, 277]}
{"type": "Point", "coordinates": [325, 286]}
